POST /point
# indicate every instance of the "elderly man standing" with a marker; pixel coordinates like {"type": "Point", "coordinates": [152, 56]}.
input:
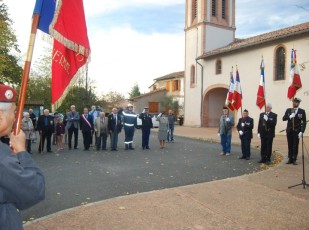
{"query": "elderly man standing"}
{"type": "Point", "coordinates": [101, 130]}
{"type": "Point", "coordinates": [22, 183]}
{"type": "Point", "coordinates": [266, 132]}
{"type": "Point", "coordinates": [226, 124]}
{"type": "Point", "coordinates": [114, 128]}
{"type": "Point", "coordinates": [72, 126]}
{"type": "Point", "coordinates": [45, 128]}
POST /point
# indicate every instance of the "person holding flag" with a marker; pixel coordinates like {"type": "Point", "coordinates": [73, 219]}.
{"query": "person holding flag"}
{"type": "Point", "coordinates": [245, 127]}
{"type": "Point", "coordinates": [229, 96]}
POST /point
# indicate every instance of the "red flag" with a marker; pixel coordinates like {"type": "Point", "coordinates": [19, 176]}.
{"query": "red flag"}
{"type": "Point", "coordinates": [260, 100]}
{"type": "Point", "coordinates": [237, 95]}
{"type": "Point", "coordinates": [71, 47]}
{"type": "Point", "coordinates": [229, 96]}
{"type": "Point", "coordinates": [295, 77]}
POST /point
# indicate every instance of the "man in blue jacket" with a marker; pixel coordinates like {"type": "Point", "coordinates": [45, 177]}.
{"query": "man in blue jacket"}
{"type": "Point", "coordinates": [22, 183]}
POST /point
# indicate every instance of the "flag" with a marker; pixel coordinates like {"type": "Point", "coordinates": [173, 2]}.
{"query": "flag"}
{"type": "Point", "coordinates": [71, 49]}
{"type": "Point", "coordinates": [237, 95]}
{"type": "Point", "coordinates": [294, 77]}
{"type": "Point", "coordinates": [46, 10]}
{"type": "Point", "coordinates": [229, 96]}
{"type": "Point", "coordinates": [260, 100]}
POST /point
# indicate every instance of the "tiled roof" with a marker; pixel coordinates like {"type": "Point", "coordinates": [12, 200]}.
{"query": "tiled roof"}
{"type": "Point", "coordinates": [149, 93]}
{"type": "Point", "coordinates": [179, 74]}
{"type": "Point", "coordinates": [259, 39]}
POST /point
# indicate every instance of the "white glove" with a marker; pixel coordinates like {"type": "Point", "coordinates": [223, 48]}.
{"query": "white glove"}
{"type": "Point", "coordinates": [143, 111]}
{"type": "Point", "coordinates": [300, 135]}
{"type": "Point", "coordinates": [242, 124]}
{"type": "Point", "coordinates": [259, 136]}
{"type": "Point", "coordinates": [265, 117]}
{"type": "Point", "coordinates": [219, 135]}
{"type": "Point", "coordinates": [227, 119]}
{"type": "Point", "coordinates": [240, 132]}
{"type": "Point", "coordinates": [292, 115]}
{"type": "Point", "coordinates": [160, 114]}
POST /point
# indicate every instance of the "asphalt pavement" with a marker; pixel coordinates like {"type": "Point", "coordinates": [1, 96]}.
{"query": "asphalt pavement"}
{"type": "Point", "coordinates": [188, 185]}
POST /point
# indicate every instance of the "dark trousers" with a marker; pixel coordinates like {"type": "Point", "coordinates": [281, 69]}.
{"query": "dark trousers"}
{"type": "Point", "coordinates": [245, 146]}
{"type": "Point", "coordinates": [28, 144]}
{"type": "Point", "coordinates": [45, 135]}
{"type": "Point", "coordinates": [101, 141]}
{"type": "Point", "coordinates": [114, 140]}
{"type": "Point", "coordinates": [293, 142]}
{"type": "Point", "coordinates": [145, 138]}
{"type": "Point", "coordinates": [87, 139]}
{"type": "Point", "coordinates": [72, 130]}
{"type": "Point", "coordinates": [266, 148]}
{"type": "Point", "coordinates": [129, 133]}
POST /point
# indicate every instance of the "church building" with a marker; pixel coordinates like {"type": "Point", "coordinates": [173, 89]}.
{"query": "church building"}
{"type": "Point", "coordinates": [212, 52]}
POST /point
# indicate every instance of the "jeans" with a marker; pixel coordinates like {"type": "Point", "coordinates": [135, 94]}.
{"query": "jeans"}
{"type": "Point", "coordinates": [226, 142]}
{"type": "Point", "coordinates": [170, 133]}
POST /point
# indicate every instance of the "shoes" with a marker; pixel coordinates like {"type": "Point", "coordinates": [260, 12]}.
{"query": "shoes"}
{"type": "Point", "coordinates": [104, 149]}
{"type": "Point", "coordinates": [242, 157]}
{"type": "Point", "coordinates": [289, 162]}
{"type": "Point", "coordinates": [114, 150]}
{"type": "Point", "coordinates": [294, 163]}
{"type": "Point", "coordinates": [247, 158]}
{"type": "Point", "coordinates": [222, 153]}
{"type": "Point", "coordinates": [49, 151]}
{"type": "Point", "coordinates": [261, 161]}
{"type": "Point", "coordinates": [227, 154]}
{"type": "Point", "coordinates": [131, 148]}
{"type": "Point", "coordinates": [147, 147]}
{"type": "Point", "coordinates": [75, 147]}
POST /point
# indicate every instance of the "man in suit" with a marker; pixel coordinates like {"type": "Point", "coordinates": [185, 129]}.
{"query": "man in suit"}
{"type": "Point", "coordinates": [101, 131]}
{"type": "Point", "coordinates": [46, 128]}
{"type": "Point", "coordinates": [296, 126]}
{"type": "Point", "coordinates": [114, 127]}
{"type": "Point", "coordinates": [244, 127]}
{"type": "Point", "coordinates": [72, 126]}
{"type": "Point", "coordinates": [86, 126]}
{"type": "Point", "coordinates": [146, 126]}
{"type": "Point", "coordinates": [266, 132]}
{"type": "Point", "coordinates": [226, 124]}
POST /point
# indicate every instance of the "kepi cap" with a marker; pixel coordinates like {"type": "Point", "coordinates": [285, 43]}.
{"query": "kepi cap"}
{"type": "Point", "coordinates": [297, 99]}
{"type": "Point", "coordinates": [146, 108]}
{"type": "Point", "coordinates": [7, 94]}
{"type": "Point", "coordinates": [224, 107]}
{"type": "Point", "coordinates": [246, 111]}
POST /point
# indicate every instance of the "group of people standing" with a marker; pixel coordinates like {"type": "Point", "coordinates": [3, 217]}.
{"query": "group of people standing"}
{"type": "Point", "coordinates": [296, 125]}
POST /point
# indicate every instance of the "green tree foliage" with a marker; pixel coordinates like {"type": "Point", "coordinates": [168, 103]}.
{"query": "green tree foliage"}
{"type": "Point", "coordinates": [134, 91]}
{"type": "Point", "coordinates": [111, 100]}
{"type": "Point", "coordinates": [10, 71]}
{"type": "Point", "coordinates": [168, 102]}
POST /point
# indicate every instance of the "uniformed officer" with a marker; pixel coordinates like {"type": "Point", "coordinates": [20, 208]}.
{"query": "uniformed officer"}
{"type": "Point", "coordinates": [146, 126]}
{"type": "Point", "coordinates": [244, 127]}
{"type": "Point", "coordinates": [22, 183]}
{"type": "Point", "coordinates": [129, 123]}
{"type": "Point", "coordinates": [296, 126]}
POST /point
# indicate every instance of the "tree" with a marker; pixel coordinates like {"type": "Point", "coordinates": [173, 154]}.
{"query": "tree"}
{"type": "Point", "coordinates": [168, 102]}
{"type": "Point", "coordinates": [111, 100]}
{"type": "Point", "coordinates": [134, 91]}
{"type": "Point", "coordinates": [10, 71]}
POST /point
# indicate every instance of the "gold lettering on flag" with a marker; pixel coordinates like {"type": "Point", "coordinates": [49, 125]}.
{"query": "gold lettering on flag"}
{"type": "Point", "coordinates": [59, 58]}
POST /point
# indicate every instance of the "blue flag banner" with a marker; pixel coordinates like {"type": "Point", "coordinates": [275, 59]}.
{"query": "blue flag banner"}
{"type": "Point", "coordinates": [46, 10]}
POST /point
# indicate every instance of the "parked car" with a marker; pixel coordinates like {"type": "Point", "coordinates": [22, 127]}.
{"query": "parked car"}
{"type": "Point", "coordinates": [155, 123]}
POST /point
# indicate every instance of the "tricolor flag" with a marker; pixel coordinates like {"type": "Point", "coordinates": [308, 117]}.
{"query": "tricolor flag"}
{"type": "Point", "coordinates": [295, 77]}
{"type": "Point", "coordinates": [46, 10]}
{"type": "Point", "coordinates": [237, 95]}
{"type": "Point", "coordinates": [229, 96]}
{"type": "Point", "coordinates": [260, 100]}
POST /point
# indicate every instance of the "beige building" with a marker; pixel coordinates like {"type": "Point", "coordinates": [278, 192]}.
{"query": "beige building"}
{"type": "Point", "coordinates": [167, 85]}
{"type": "Point", "coordinates": [212, 50]}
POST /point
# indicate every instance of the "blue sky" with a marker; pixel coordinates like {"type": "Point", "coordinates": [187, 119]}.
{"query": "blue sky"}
{"type": "Point", "coordinates": [135, 41]}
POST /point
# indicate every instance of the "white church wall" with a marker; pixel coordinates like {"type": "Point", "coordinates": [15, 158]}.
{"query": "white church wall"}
{"type": "Point", "coordinates": [223, 37]}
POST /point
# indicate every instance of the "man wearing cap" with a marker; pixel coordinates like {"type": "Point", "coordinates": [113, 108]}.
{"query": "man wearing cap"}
{"type": "Point", "coordinates": [226, 124]}
{"type": "Point", "coordinates": [22, 183]}
{"type": "Point", "coordinates": [266, 132]}
{"type": "Point", "coordinates": [130, 122]}
{"type": "Point", "coordinates": [146, 126]}
{"type": "Point", "coordinates": [296, 125]}
{"type": "Point", "coordinates": [244, 127]}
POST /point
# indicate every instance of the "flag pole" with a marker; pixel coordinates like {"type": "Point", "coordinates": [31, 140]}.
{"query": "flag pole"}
{"type": "Point", "coordinates": [25, 75]}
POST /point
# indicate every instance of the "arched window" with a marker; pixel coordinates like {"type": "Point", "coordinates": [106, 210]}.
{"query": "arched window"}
{"type": "Point", "coordinates": [218, 67]}
{"type": "Point", "coordinates": [194, 9]}
{"type": "Point", "coordinates": [192, 76]}
{"type": "Point", "coordinates": [213, 8]}
{"type": "Point", "coordinates": [280, 64]}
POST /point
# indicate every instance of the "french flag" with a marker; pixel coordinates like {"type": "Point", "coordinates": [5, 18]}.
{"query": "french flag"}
{"type": "Point", "coordinates": [229, 96]}
{"type": "Point", "coordinates": [237, 95]}
{"type": "Point", "coordinates": [260, 100]}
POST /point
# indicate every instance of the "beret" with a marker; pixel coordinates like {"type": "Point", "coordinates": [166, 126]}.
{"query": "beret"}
{"type": "Point", "coordinates": [7, 94]}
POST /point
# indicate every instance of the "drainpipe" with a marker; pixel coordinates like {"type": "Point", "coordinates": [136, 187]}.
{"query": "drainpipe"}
{"type": "Point", "coordinates": [202, 74]}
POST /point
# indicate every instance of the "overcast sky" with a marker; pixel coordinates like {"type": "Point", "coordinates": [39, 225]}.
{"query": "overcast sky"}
{"type": "Point", "coordinates": [135, 41]}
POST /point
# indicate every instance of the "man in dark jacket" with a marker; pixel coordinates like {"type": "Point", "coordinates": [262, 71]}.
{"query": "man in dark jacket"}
{"type": "Point", "coordinates": [266, 132]}
{"type": "Point", "coordinates": [244, 127]}
{"type": "Point", "coordinates": [296, 126]}
{"type": "Point", "coordinates": [114, 127]}
{"type": "Point", "coordinates": [22, 183]}
{"type": "Point", "coordinates": [86, 126]}
{"type": "Point", "coordinates": [46, 128]}
{"type": "Point", "coordinates": [146, 126]}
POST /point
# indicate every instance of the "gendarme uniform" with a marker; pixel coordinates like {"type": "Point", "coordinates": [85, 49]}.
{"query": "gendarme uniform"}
{"type": "Point", "coordinates": [129, 124]}
{"type": "Point", "coordinates": [22, 183]}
